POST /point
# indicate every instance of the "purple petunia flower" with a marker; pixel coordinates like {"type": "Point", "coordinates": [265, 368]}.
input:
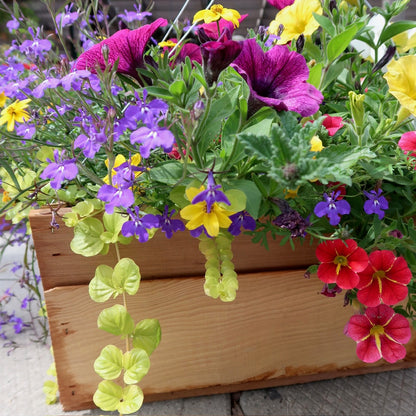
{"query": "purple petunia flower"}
{"type": "Point", "coordinates": [152, 137]}
{"type": "Point", "coordinates": [138, 225]}
{"type": "Point", "coordinates": [241, 219]}
{"type": "Point", "coordinates": [169, 225]}
{"type": "Point", "coordinates": [59, 170]}
{"type": "Point", "coordinates": [115, 197]}
{"type": "Point", "coordinates": [277, 78]}
{"type": "Point", "coordinates": [134, 16]}
{"type": "Point", "coordinates": [376, 203]}
{"type": "Point", "coordinates": [211, 194]}
{"type": "Point", "coordinates": [332, 207]}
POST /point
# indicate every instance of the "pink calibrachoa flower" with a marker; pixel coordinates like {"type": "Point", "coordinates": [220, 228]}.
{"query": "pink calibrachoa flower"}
{"type": "Point", "coordinates": [379, 333]}
{"type": "Point", "coordinates": [332, 124]}
{"type": "Point", "coordinates": [408, 143]}
{"type": "Point", "coordinates": [211, 29]}
{"type": "Point", "coordinates": [384, 280]}
{"type": "Point", "coordinates": [341, 261]}
{"type": "Point", "coordinates": [125, 46]}
{"type": "Point", "coordinates": [280, 4]}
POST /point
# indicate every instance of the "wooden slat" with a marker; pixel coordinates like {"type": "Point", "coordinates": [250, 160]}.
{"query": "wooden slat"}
{"type": "Point", "coordinates": [158, 257]}
{"type": "Point", "coordinates": [280, 330]}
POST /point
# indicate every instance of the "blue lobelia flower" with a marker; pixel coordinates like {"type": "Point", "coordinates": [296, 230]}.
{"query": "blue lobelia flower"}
{"type": "Point", "coordinates": [169, 225]}
{"type": "Point", "coordinates": [241, 219]}
{"type": "Point", "coordinates": [332, 208]}
{"type": "Point", "coordinates": [376, 203]}
{"type": "Point", "coordinates": [138, 225]}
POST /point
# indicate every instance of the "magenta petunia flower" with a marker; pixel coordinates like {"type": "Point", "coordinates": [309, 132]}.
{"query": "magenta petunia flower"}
{"type": "Point", "coordinates": [384, 280]}
{"type": "Point", "coordinates": [277, 78]}
{"type": "Point", "coordinates": [125, 46]}
{"type": "Point", "coordinates": [379, 333]}
{"type": "Point", "coordinates": [211, 29]}
{"type": "Point", "coordinates": [280, 4]}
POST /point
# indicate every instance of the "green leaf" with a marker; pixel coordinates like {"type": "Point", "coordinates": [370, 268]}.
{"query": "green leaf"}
{"type": "Point", "coordinates": [340, 42]}
{"type": "Point", "coordinates": [113, 224]}
{"type": "Point", "coordinates": [126, 276]}
{"type": "Point", "coordinates": [160, 93]}
{"type": "Point", "coordinates": [315, 74]}
{"type": "Point", "coordinates": [238, 200]}
{"type": "Point", "coordinates": [260, 123]}
{"type": "Point", "coordinates": [108, 396]}
{"type": "Point", "coordinates": [87, 241]}
{"type": "Point", "coordinates": [253, 195]}
{"type": "Point", "coordinates": [394, 29]}
{"type": "Point", "coordinates": [101, 287]}
{"type": "Point", "coordinates": [332, 74]}
{"type": "Point", "coordinates": [147, 335]}
{"type": "Point", "coordinates": [168, 173]}
{"type": "Point", "coordinates": [132, 400]}
{"type": "Point", "coordinates": [177, 88]}
{"type": "Point", "coordinates": [326, 24]}
{"type": "Point", "coordinates": [50, 389]}
{"type": "Point", "coordinates": [109, 363]}
{"type": "Point", "coordinates": [116, 320]}
{"type": "Point", "coordinates": [136, 364]}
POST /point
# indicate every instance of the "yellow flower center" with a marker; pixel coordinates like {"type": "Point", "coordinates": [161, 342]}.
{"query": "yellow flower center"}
{"type": "Point", "coordinates": [340, 261]}
{"type": "Point", "coordinates": [379, 274]}
{"type": "Point", "coordinates": [217, 9]}
{"type": "Point", "coordinates": [377, 330]}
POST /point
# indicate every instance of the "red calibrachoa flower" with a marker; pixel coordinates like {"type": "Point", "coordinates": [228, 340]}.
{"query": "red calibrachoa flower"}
{"type": "Point", "coordinates": [341, 261]}
{"type": "Point", "coordinates": [384, 280]}
{"type": "Point", "coordinates": [379, 333]}
{"type": "Point", "coordinates": [332, 124]}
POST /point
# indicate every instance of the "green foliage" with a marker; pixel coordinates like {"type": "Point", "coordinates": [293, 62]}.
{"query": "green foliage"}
{"type": "Point", "coordinates": [147, 335]}
{"type": "Point", "coordinates": [116, 320]}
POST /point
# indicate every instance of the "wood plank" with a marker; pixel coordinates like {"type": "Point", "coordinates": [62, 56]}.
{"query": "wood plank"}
{"type": "Point", "coordinates": [158, 257]}
{"type": "Point", "coordinates": [280, 330]}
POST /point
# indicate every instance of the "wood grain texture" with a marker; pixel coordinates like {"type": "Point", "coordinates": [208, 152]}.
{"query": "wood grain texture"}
{"type": "Point", "coordinates": [159, 257]}
{"type": "Point", "coordinates": [280, 330]}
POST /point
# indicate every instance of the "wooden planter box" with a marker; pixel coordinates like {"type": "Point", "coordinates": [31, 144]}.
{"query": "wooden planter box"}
{"type": "Point", "coordinates": [280, 330]}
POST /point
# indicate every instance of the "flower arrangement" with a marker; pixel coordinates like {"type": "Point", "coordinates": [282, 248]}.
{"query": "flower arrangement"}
{"type": "Point", "coordinates": [302, 129]}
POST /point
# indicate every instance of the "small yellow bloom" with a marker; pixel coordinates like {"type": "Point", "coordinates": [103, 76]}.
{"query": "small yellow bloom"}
{"type": "Point", "coordinates": [120, 159]}
{"type": "Point", "coordinates": [296, 19]}
{"type": "Point", "coordinates": [167, 44]}
{"type": "Point", "coordinates": [197, 214]}
{"type": "Point", "coordinates": [5, 197]}
{"type": "Point", "coordinates": [216, 12]}
{"type": "Point", "coordinates": [316, 144]}
{"type": "Point", "coordinates": [405, 40]}
{"type": "Point", "coordinates": [401, 78]}
{"type": "Point", "coordinates": [291, 193]}
{"type": "Point", "coordinates": [3, 99]}
{"type": "Point", "coordinates": [15, 112]}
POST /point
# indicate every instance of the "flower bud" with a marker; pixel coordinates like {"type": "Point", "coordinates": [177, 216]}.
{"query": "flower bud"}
{"type": "Point", "coordinates": [198, 110]}
{"type": "Point", "coordinates": [386, 58]}
{"type": "Point", "coordinates": [300, 43]}
{"type": "Point", "coordinates": [357, 108]}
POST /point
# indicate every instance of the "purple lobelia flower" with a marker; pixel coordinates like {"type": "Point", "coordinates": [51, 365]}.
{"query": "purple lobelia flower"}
{"type": "Point", "coordinates": [67, 17]}
{"type": "Point", "coordinates": [241, 220]}
{"type": "Point", "coordinates": [169, 225]}
{"type": "Point", "coordinates": [332, 207]}
{"type": "Point", "coordinates": [91, 142]}
{"type": "Point", "coordinates": [12, 24]}
{"type": "Point", "coordinates": [134, 16]}
{"type": "Point", "coordinates": [60, 170]}
{"type": "Point", "coordinates": [27, 131]}
{"type": "Point", "coordinates": [376, 203]}
{"type": "Point", "coordinates": [211, 194]}
{"type": "Point", "coordinates": [115, 197]}
{"type": "Point", "coordinates": [76, 79]}
{"type": "Point", "coordinates": [152, 137]}
{"type": "Point", "coordinates": [36, 48]}
{"type": "Point", "coordinates": [277, 78]}
{"type": "Point", "coordinates": [125, 175]}
{"type": "Point", "coordinates": [39, 90]}
{"type": "Point", "coordinates": [217, 55]}
{"type": "Point", "coordinates": [290, 219]}
{"type": "Point", "coordinates": [138, 225]}
{"type": "Point", "coordinates": [125, 47]}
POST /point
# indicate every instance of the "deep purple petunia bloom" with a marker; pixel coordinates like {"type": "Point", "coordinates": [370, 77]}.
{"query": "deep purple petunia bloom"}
{"type": "Point", "coordinates": [59, 170]}
{"type": "Point", "coordinates": [332, 207]}
{"type": "Point", "coordinates": [211, 194]}
{"type": "Point", "coordinates": [138, 225]}
{"type": "Point", "coordinates": [277, 78]}
{"type": "Point", "coordinates": [153, 137]}
{"type": "Point", "coordinates": [376, 203]}
{"type": "Point", "coordinates": [280, 4]}
{"type": "Point", "coordinates": [115, 197]}
{"type": "Point", "coordinates": [241, 219]}
{"type": "Point", "coordinates": [217, 55]}
{"type": "Point", "coordinates": [169, 225]}
{"type": "Point", "coordinates": [125, 46]}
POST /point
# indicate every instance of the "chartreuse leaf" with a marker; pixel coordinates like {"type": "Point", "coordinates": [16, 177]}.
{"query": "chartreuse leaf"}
{"type": "Point", "coordinates": [136, 364]}
{"type": "Point", "coordinates": [238, 200]}
{"type": "Point", "coordinates": [113, 223]}
{"type": "Point", "coordinates": [116, 320]}
{"type": "Point", "coordinates": [147, 335]}
{"type": "Point", "coordinates": [132, 400]}
{"type": "Point", "coordinates": [108, 396]}
{"type": "Point", "coordinates": [101, 287]}
{"type": "Point", "coordinates": [87, 241]}
{"type": "Point", "coordinates": [126, 276]}
{"type": "Point", "coordinates": [50, 389]}
{"type": "Point", "coordinates": [340, 42]}
{"type": "Point", "coordinates": [109, 363]}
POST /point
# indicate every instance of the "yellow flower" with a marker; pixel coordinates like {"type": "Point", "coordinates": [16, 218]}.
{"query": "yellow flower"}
{"type": "Point", "coordinates": [405, 40]}
{"type": "Point", "coordinates": [353, 2]}
{"type": "Point", "coordinates": [217, 12]}
{"type": "Point", "coordinates": [120, 159]}
{"type": "Point", "coordinates": [296, 19]}
{"type": "Point", "coordinates": [3, 99]}
{"type": "Point", "coordinates": [5, 197]}
{"type": "Point", "coordinates": [167, 44]}
{"type": "Point", "coordinates": [401, 78]}
{"type": "Point", "coordinates": [316, 144]}
{"type": "Point", "coordinates": [15, 112]}
{"type": "Point", "coordinates": [197, 214]}
{"type": "Point", "coordinates": [291, 193]}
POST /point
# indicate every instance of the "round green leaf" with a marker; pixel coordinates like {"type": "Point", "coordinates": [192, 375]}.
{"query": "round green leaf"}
{"type": "Point", "coordinates": [132, 400]}
{"type": "Point", "coordinates": [87, 241]}
{"type": "Point", "coordinates": [238, 200]}
{"type": "Point", "coordinates": [147, 335]}
{"type": "Point", "coordinates": [136, 364]}
{"type": "Point", "coordinates": [116, 320]}
{"type": "Point", "coordinates": [108, 396]}
{"type": "Point", "coordinates": [113, 223]}
{"type": "Point", "coordinates": [110, 363]}
{"type": "Point", "coordinates": [101, 286]}
{"type": "Point", "coordinates": [50, 389]}
{"type": "Point", "coordinates": [126, 276]}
